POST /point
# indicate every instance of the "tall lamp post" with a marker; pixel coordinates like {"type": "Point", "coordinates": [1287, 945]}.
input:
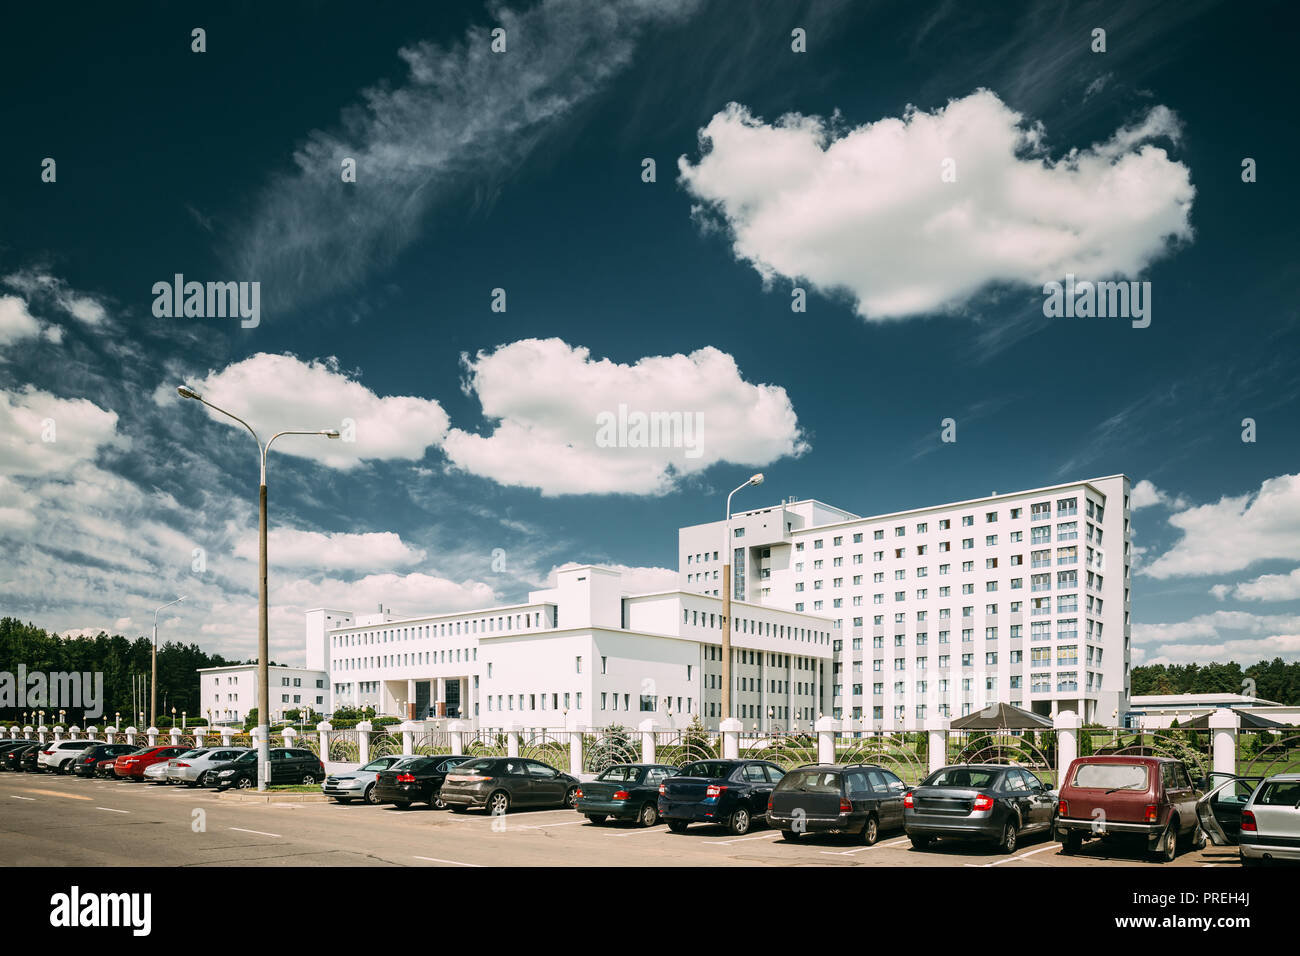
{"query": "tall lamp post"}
{"type": "Point", "coordinates": [153, 691]}
{"type": "Point", "coordinates": [726, 602]}
{"type": "Point", "coordinates": [263, 651]}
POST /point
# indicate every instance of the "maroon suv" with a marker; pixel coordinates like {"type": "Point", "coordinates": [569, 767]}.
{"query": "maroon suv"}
{"type": "Point", "coordinates": [1148, 797]}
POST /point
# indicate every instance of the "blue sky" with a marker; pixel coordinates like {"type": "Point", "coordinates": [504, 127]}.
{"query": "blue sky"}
{"type": "Point", "coordinates": [522, 171]}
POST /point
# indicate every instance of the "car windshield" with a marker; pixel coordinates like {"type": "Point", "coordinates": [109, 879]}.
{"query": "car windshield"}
{"type": "Point", "coordinates": [1279, 793]}
{"type": "Point", "coordinates": [377, 765]}
{"type": "Point", "coordinates": [194, 753]}
{"type": "Point", "coordinates": [974, 778]}
{"type": "Point", "coordinates": [812, 781]}
{"type": "Point", "coordinates": [707, 768]}
{"type": "Point", "coordinates": [620, 774]}
{"type": "Point", "coordinates": [248, 756]}
{"type": "Point", "coordinates": [476, 766]}
{"type": "Point", "coordinates": [1111, 776]}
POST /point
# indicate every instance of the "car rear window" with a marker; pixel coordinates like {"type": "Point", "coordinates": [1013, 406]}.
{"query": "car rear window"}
{"type": "Point", "coordinates": [620, 774]}
{"type": "Point", "coordinates": [970, 777]}
{"type": "Point", "coordinates": [1111, 776]}
{"type": "Point", "coordinates": [1281, 793]}
{"type": "Point", "coordinates": [812, 781]}
{"type": "Point", "coordinates": [708, 768]}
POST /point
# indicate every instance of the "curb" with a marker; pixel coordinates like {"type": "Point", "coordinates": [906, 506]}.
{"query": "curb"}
{"type": "Point", "coordinates": [272, 797]}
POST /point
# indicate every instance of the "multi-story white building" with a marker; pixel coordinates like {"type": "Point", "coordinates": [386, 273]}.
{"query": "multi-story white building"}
{"type": "Point", "coordinates": [227, 694]}
{"type": "Point", "coordinates": [1022, 598]}
{"type": "Point", "coordinates": [582, 654]}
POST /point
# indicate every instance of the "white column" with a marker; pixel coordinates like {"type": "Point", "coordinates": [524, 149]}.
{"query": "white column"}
{"type": "Point", "coordinates": [575, 752]}
{"type": "Point", "coordinates": [226, 734]}
{"type": "Point", "coordinates": [323, 733]}
{"type": "Point", "coordinates": [512, 741]}
{"type": "Point", "coordinates": [731, 728]}
{"type": "Point", "coordinates": [409, 728]}
{"type": "Point", "coordinates": [58, 732]}
{"type": "Point", "coordinates": [290, 736]}
{"type": "Point", "coordinates": [936, 729]}
{"type": "Point", "coordinates": [456, 730]}
{"type": "Point", "coordinates": [410, 700]}
{"type": "Point", "coordinates": [175, 734]}
{"type": "Point", "coordinates": [363, 735]}
{"type": "Point", "coordinates": [647, 728]}
{"type": "Point", "coordinates": [1067, 724]}
{"type": "Point", "coordinates": [198, 735]}
{"type": "Point", "coordinates": [1223, 731]}
{"type": "Point", "coordinates": [74, 732]}
{"type": "Point", "coordinates": [130, 735]}
{"type": "Point", "coordinates": [440, 697]}
{"type": "Point", "coordinates": [152, 734]}
{"type": "Point", "coordinates": [826, 727]}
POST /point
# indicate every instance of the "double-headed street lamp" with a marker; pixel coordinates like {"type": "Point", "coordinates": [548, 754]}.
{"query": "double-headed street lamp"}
{"type": "Point", "coordinates": [153, 682]}
{"type": "Point", "coordinates": [263, 651]}
{"type": "Point", "coordinates": [726, 602]}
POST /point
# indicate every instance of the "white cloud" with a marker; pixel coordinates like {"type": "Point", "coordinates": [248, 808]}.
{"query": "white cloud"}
{"type": "Point", "coordinates": [462, 118]}
{"type": "Point", "coordinates": [16, 323]}
{"type": "Point", "coordinates": [1266, 587]}
{"type": "Point", "coordinates": [1245, 651]}
{"type": "Point", "coordinates": [1235, 532]}
{"type": "Point", "coordinates": [79, 305]}
{"type": "Point", "coordinates": [406, 594]}
{"type": "Point", "coordinates": [635, 580]}
{"type": "Point", "coordinates": [1219, 635]}
{"type": "Point", "coordinates": [276, 392]}
{"type": "Point", "coordinates": [340, 551]}
{"type": "Point", "coordinates": [1145, 494]}
{"type": "Point", "coordinates": [545, 397]}
{"type": "Point", "coordinates": [43, 434]}
{"type": "Point", "coordinates": [865, 211]}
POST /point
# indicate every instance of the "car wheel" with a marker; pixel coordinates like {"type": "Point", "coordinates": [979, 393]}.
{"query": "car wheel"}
{"type": "Point", "coordinates": [1070, 843]}
{"type": "Point", "coordinates": [63, 767]}
{"type": "Point", "coordinates": [244, 783]}
{"type": "Point", "coordinates": [437, 802]}
{"type": "Point", "coordinates": [370, 796]}
{"type": "Point", "coordinates": [649, 815]}
{"type": "Point", "coordinates": [871, 831]}
{"type": "Point", "coordinates": [570, 797]}
{"type": "Point", "coordinates": [596, 818]}
{"type": "Point", "coordinates": [739, 822]}
{"type": "Point", "coordinates": [499, 803]}
{"type": "Point", "coordinates": [919, 842]}
{"type": "Point", "coordinates": [1167, 850]}
{"type": "Point", "coordinates": [1198, 838]}
{"type": "Point", "coordinates": [678, 826]}
{"type": "Point", "coordinates": [203, 779]}
{"type": "Point", "coordinates": [1009, 834]}
{"type": "Point", "coordinates": [309, 778]}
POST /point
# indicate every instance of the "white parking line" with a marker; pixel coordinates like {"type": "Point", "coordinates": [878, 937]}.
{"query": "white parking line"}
{"type": "Point", "coordinates": [434, 859]}
{"type": "Point", "coordinates": [16, 797]}
{"type": "Point", "coordinates": [654, 829]}
{"type": "Point", "coordinates": [258, 832]}
{"type": "Point", "coordinates": [761, 836]}
{"type": "Point", "coordinates": [1012, 859]}
{"type": "Point", "coordinates": [878, 846]}
{"type": "Point", "coordinates": [544, 826]}
{"type": "Point", "coordinates": [111, 810]}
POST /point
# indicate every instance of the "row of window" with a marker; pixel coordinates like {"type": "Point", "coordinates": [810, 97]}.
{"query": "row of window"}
{"type": "Point", "coordinates": [524, 620]}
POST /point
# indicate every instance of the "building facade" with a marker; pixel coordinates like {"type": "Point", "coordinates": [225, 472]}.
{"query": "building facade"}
{"type": "Point", "coordinates": [1022, 598]}
{"type": "Point", "coordinates": [227, 694]}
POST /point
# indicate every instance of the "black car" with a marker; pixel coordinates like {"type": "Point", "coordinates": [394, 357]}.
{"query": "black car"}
{"type": "Point", "coordinates": [498, 784]}
{"type": "Point", "coordinates": [730, 792]}
{"type": "Point", "coordinates": [13, 754]}
{"type": "Point", "coordinates": [990, 802]}
{"type": "Point", "coordinates": [27, 758]}
{"type": "Point", "coordinates": [415, 780]}
{"type": "Point", "coordinates": [628, 791]}
{"type": "Point", "coordinates": [862, 799]}
{"type": "Point", "coordinates": [288, 765]}
{"type": "Point", "coordinates": [86, 762]}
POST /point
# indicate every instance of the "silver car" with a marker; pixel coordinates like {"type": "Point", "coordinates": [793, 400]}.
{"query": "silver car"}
{"type": "Point", "coordinates": [191, 768]}
{"type": "Point", "coordinates": [1260, 816]}
{"type": "Point", "coordinates": [358, 784]}
{"type": "Point", "coordinates": [156, 773]}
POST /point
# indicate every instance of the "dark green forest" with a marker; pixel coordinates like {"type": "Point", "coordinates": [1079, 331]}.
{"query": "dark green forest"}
{"type": "Point", "coordinates": [1275, 680]}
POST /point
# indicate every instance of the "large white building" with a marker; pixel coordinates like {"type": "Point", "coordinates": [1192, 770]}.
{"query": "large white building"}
{"type": "Point", "coordinates": [887, 620]}
{"type": "Point", "coordinates": [227, 694]}
{"type": "Point", "coordinates": [1022, 598]}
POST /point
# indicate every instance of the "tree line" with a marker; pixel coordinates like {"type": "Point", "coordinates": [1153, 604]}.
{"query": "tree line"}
{"type": "Point", "coordinates": [1275, 680]}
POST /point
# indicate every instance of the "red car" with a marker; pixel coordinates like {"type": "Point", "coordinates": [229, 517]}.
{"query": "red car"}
{"type": "Point", "coordinates": [132, 766]}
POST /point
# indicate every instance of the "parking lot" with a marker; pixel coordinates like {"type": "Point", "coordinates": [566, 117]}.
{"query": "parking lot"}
{"type": "Point", "coordinates": [50, 820]}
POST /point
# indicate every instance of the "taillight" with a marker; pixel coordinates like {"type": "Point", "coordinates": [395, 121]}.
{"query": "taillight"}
{"type": "Point", "coordinates": [406, 778]}
{"type": "Point", "coordinates": [89, 760]}
{"type": "Point", "coordinates": [714, 791]}
{"type": "Point", "coordinates": [1063, 809]}
{"type": "Point", "coordinates": [1152, 813]}
{"type": "Point", "coordinates": [1248, 822]}
{"type": "Point", "coordinates": [983, 802]}
{"type": "Point", "coordinates": [907, 801]}
{"type": "Point", "coordinates": [179, 765]}
{"type": "Point", "coordinates": [47, 752]}
{"type": "Point", "coordinates": [769, 804]}
{"type": "Point", "coordinates": [577, 795]}
{"type": "Point", "coordinates": [845, 806]}
{"type": "Point", "coordinates": [663, 789]}
{"type": "Point", "coordinates": [622, 795]}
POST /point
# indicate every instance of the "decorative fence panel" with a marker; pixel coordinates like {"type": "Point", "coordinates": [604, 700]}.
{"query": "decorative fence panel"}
{"type": "Point", "coordinates": [431, 743]}
{"type": "Point", "coordinates": [605, 748]}
{"type": "Point", "coordinates": [904, 754]}
{"type": "Point", "coordinates": [1192, 747]}
{"type": "Point", "coordinates": [308, 741]}
{"type": "Point", "coordinates": [1262, 753]}
{"type": "Point", "coordinates": [548, 746]}
{"type": "Point", "coordinates": [785, 750]}
{"type": "Point", "coordinates": [385, 745]}
{"type": "Point", "coordinates": [679, 747]}
{"type": "Point", "coordinates": [486, 743]}
{"type": "Point", "coordinates": [345, 746]}
{"type": "Point", "coordinates": [1035, 750]}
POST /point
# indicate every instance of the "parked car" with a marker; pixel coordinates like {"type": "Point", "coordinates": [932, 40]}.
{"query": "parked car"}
{"type": "Point", "coordinates": [133, 765]}
{"type": "Point", "coordinates": [628, 791]}
{"type": "Point", "coordinates": [732, 793]}
{"type": "Point", "coordinates": [415, 780]}
{"type": "Point", "coordinates": [498, 784]}
{"type": "Point", "coordinates": [88, 760]}
{"type": "Point", "coordinates": [358, 784]}
{"type": "Point", "coordinates": [57, 757]}
{"type": "Point", "coordinates": [12, 756]}
{"type": "Point", "coordinates": [288, 765]}
{"type": "Point", "coordinates": [193, 767]}
{"type": "Point", "coordinates": [1151, 798]}
{"type": "Point", "coordinates": [156, 773]}
{"type": "Point", "coordinates": [107, 767]}
{"type": "Point", "coordinates": [987, 802]}
{"type": "Point", "coordinates": [1260, 816]}
{"type": "Point", "coordinates": [27, 759]}
{"type": "Point", "coordinates": [862, 799]}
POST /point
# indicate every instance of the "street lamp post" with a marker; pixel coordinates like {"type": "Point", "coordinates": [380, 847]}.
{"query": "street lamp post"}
{"type": "Point", "coordinates": [263, 650]}
{"type": "Point", "coordinates": [726, 602]}
{"type": "Point", "coordinates": [153, 682]}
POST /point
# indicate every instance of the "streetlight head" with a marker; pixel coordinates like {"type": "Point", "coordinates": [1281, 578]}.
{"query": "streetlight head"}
{"type": "Point", "coordinates": [330, 433]}
{"type": "Point", "coordinates": [186, 392]}
{"type": "Point", "coordinates": [757, 479]}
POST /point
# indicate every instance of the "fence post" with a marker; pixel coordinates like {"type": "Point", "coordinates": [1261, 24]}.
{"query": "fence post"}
{"type": "Point", "coordinates": [731, 728]}
{"type": "Point", "coordinates": [409, 727]}
{"type": "Point", "coordinates": [130, 735]}
{"type": "Point", "coordinates": [512, 741]}
{"type": "Point", "coordinates": [456, 731]}
{"type": "Point", "coordinates": [152, 734]}
{"type": "Point", "coordinates": [58, 733]}
{"type": "Point", "coordinates": [175, 734]}
{"type": "Point", "coordinates": [110, 734]}
{"type": "Point", "coordinates": [1224, 723]}
{"type": "Point", "coordinates": [936, 743]}
{"type": "Point", "coordinates": [1067, 724]}
{"type": "Point", "coordinates": [363, 741]}
{"type": "Point", "coordinates": [323, 738]}
{"type": "Point", "coordinates": [226, 734]}
{"type": "Point", "coordinates": [826, 727]}
{"type": "Point", "coordinates": [73, 732]}
{"type": "Point", "coordinates": [198, 735]}
{"type": "Point", "coordinates": [289, 735]}
{"type": "Point", "coordinates": [28, 731]}
{"type": "Point", "coordinates": [647, 728]}
{"type": "Point", "coordinates": [575, 751]}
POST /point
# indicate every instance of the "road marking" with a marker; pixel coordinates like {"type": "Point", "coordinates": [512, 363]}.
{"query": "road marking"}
{"type": "Point", "coordinates": [434, 859]}
{"type": "Point", "coordinates": [658, 828]}
{"type": "Point", "coordinates": [57, 793]}
{"type": "Point", "coordinates": [111, 810]}
{"type": "Point", "coordinates": [258, 832]}
{"type": "Point", "coordinates": [878, 846]}
{"type": "Point", "coordinates": [543, 826]}
{"type": "Point", "coordinates": [761, 836]}
{"type": "Point", "coordinates": [16, 797]}
{"type": "Point", "coordinates": [1012, 859]}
